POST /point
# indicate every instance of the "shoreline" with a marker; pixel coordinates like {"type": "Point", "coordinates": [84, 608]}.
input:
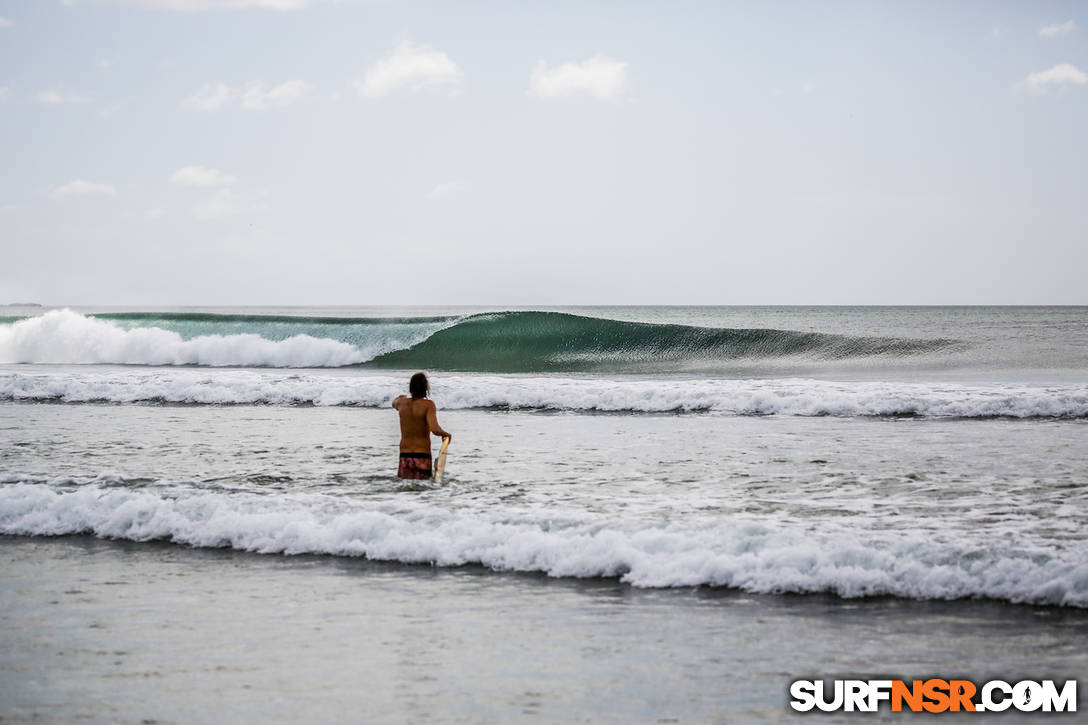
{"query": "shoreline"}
{"type": "Point", "coordinates": [365, 565]}
{"type": "Point", "coordinates": [115, 631]}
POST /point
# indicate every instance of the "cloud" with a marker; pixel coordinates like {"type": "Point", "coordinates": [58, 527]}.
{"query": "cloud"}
{"type": "Point", "coordinates": [599, 76]}
{"type": "Point", "coordinates": [210, 97]}
{"type": "Point", "coordinates": [215, 96]}
{"type": "Point", "coordinates": [49, 97]}
{"type": "Point", "coordinates": [224, 203]}
{"type": "Point", "coordinates": [201, 176]}
{"type": "Point", "coordinates": [81, 187]}
{"type": "Point", "coordinates": [410, 67]}
{"type": "Point", "coordinates": [4, 93]}
{"type": "Point", "coordinates": [155, 213]}
{"type": "Point", "coordinates": [1059, 75]}
{"type": "Point", "coordinates": [1053, 31]}
{"type": "Point", "coordinates": [58, 98]}
{"type": "Point", "coordinates": [103, 63]}
{"type": "Point", "coordinates": [189, 6]}
{"type": "Point", "coordinates": [808, 87]}
{"type": "Point", "coordinates": [448, 190]}
{"type": "Point", "coordinates": [256, 98]}
{"type": "Point", "coordinates": [5, 23]}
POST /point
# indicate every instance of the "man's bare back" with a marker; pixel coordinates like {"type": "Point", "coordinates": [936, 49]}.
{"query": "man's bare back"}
{"type": "Point", "coordinates": [418, 420]}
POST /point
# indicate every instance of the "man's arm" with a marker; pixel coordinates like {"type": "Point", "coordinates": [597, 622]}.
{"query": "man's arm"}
{"type": "Point", "coordinates": [432, 422]}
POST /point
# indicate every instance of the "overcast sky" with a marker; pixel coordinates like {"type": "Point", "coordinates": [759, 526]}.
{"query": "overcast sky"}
{"type": "Point", "coordinates": [322, 152]}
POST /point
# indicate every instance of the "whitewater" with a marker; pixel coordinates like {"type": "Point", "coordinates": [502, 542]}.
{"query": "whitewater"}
{"type": "Point", "coordinates": [747, 554]}
{"type": "Point", "coordinates": [64, 336]}
{"type": "Point", "coordinates": [784, 396]}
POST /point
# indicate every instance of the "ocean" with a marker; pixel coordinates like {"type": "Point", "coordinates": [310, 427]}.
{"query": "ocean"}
{"type": "Point", "coordinates": [649, 513]}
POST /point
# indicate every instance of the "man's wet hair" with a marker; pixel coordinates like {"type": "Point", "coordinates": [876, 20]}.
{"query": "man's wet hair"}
{"type": "Point", "coordinates": [418, 386]}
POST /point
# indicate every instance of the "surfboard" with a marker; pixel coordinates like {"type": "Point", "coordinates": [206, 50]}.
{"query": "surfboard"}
{"type": "Point", "coordinates": [440, 467]}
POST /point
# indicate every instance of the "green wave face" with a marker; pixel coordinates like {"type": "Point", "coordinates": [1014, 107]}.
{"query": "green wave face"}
{"type": "Point", "coordinates": [532, 342]}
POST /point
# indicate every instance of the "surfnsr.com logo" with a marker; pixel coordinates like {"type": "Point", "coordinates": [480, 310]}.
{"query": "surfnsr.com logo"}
{"type": "Point", "coordinates": [933, 695]}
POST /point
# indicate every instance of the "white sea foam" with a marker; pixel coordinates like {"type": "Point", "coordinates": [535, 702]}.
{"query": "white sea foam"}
{"type": "Point", "coordinates": [723, 551]}
{"type": "Point", "coordinates": [63, 336]}
{"type": "Point", "coordinates": [792, 396]}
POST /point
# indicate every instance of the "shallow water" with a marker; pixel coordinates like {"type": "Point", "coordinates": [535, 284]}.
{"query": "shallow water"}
{"type": "Point", "coordinates": [856, 506]}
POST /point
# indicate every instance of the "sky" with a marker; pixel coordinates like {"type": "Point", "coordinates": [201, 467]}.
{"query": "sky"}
{"type": "Point", "coordinates": [323, 152]}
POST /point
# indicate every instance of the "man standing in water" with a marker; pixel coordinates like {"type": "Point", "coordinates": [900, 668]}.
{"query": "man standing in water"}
{"type": "Point", "coordinates": [418, 419]}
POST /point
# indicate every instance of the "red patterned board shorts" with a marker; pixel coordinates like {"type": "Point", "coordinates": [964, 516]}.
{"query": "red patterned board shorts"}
{"type": "Point", "coordinates": [414, 465]}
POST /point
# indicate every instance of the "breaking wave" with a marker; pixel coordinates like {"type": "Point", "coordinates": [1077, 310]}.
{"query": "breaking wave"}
{"type": "Point", "coordinates": [766, 557]}
{"type": "Point", "coordinates": [772, 396]}
{"type": "Point", "coordinates": [513, 342]}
